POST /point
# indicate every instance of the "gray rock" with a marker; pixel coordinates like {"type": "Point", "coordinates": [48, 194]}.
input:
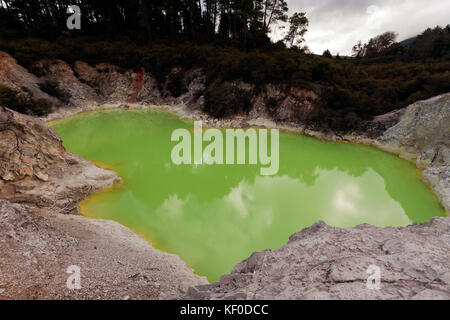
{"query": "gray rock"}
{"type": "Point", "coordinates": [323, 262]}
{"type": "Point", "coordinates": [423, 132]}
{"type": "Point", "coordinates": [423, 135]}
{"type": "Point", "coordinates": [43, 244]}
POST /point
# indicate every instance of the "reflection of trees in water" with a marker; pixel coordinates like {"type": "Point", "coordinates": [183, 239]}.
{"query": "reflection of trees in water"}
{"type": "Point", "coordinates": [352, 160]}
{"type": "Point", "coordinates": [313, 156]}
{"type": "Point", "coordinates": [156, 179]}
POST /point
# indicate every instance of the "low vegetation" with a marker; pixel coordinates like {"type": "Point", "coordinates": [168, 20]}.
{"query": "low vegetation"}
{"type": "Point", "coordinates": [365, 87]}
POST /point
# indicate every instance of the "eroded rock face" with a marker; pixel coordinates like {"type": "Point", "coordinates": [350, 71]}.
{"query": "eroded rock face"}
{"type": "Point", "coordinates": [35, 168]}
{"type": "Point", "coordinates": [28, 147]}
{"type": "Point", "coordinates": [439, 179]}
{"type": "Point", "coordinates": [323, 262]}
{"type": "Point", "coordinates": [81, 87]}
{"type": "Point", "coordinates": [59, 74]}
{"type": "Point", "coordinates": [423, 135]}
{"type": "Point", "coordinates": [111, 83]}
{"type": "Point", "coordinates": [423, 132]}
{"type": "Point", "coordinates": [295, 105]}
{"type": "Point", "coordinates": [21, 80]}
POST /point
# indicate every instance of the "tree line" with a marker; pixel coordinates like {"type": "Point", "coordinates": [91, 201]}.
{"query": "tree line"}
{"type": "Point", "coordinates": [432, 43]}
{"type": "Point", "coordinates": [229, 40]}
{"type": "Point", "coordinates": [245, 22]}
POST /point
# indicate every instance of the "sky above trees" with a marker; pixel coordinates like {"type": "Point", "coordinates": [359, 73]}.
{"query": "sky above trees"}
{"type": "Point", "coordinates": [338, 24]}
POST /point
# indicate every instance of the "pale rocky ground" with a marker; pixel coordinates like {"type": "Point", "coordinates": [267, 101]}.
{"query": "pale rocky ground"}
{"type": "Point", "coordinates": [323, 262]}
{"type": "Point", "coordinates": [41, 186]}
{"type": "Point", "coordinates": [38, 245]}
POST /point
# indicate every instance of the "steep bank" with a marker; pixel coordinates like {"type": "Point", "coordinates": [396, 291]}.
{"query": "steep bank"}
{"type": "Point", "coordinates": [423, 135]}
{"type": "Point", "coordinates": [33, 182]}
{"type": "Point", "coordinates": [80, 87]}
{"type": "Point", "coordinates": [36, 170]}
{"type": "Point", "coordinates": [41, 233]}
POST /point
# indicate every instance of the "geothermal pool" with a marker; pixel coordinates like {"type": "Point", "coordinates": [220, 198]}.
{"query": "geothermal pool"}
{"type": "Point", "coordinates": [215, 216]}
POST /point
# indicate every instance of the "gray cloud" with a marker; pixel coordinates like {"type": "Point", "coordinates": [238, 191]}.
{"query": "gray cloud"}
{"type": "Point", "coordinates": [338, 24]}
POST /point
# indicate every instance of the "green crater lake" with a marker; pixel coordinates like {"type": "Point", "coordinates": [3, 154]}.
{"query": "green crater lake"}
{"type": "Point", "coordinates": [215, 216]}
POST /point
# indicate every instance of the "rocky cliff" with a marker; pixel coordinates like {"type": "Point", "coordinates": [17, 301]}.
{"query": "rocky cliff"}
{"type": "Point", "coordinates": [36, 170]}
{"type": "Point", "coordinates": [81, 87]}
{"type": "Point", "coordinates": [423, 136]}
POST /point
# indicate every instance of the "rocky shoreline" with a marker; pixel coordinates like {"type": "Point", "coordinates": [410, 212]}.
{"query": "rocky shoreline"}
{"type": "Point", "coordinates": [41, 186]}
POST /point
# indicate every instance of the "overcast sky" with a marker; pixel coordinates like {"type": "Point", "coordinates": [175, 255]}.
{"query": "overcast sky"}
{"type": "Point", "coordinates": [338, 24]}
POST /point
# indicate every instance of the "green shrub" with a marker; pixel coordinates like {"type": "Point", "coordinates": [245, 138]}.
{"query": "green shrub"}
{"type": "Point", "coordinates": [223, 100]}
{"type": "Point", "coordinates": [175, 83]}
